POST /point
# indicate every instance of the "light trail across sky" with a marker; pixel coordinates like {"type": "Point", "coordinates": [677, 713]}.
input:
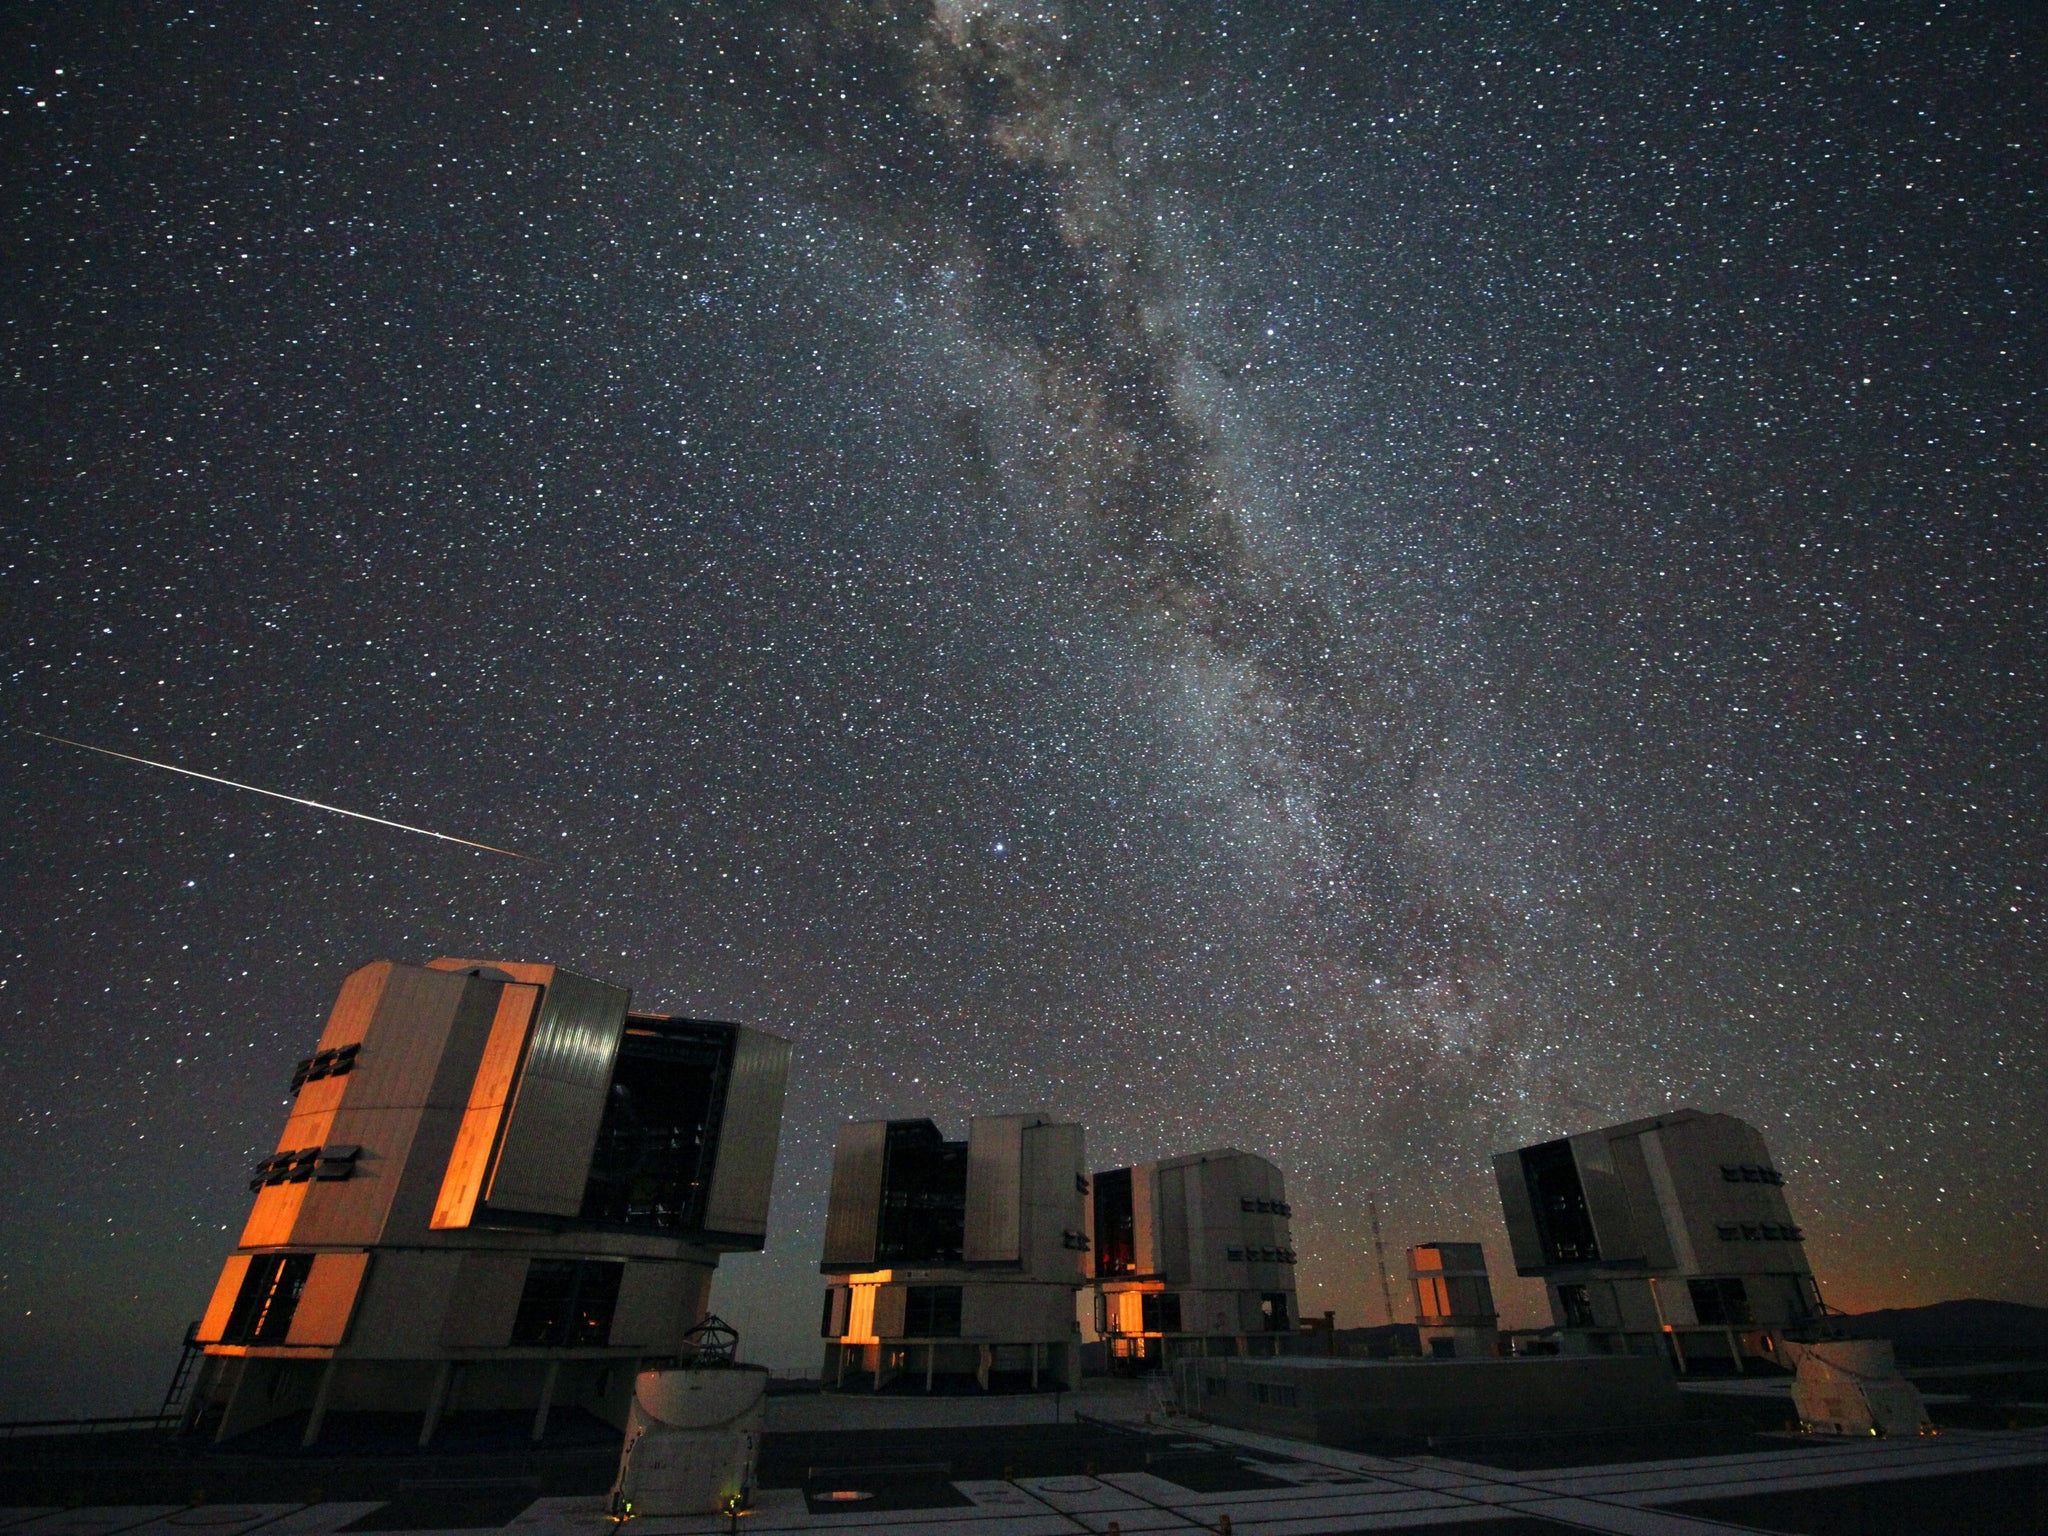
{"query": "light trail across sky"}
{"type": "Point", "coordinates": [318, 805]}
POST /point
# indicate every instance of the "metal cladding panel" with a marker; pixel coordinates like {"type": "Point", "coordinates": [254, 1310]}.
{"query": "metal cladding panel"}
{"type": "Point", "coordinates": [543, 1162]}
{"type": "Point", "coordinates": [1172, 1216]}
{"type": "Point", "coordinates": [476, 1139]}
{"type": "Point", "coordinates": [995, 1177]}
{"type": "Point", "coordinates": [1145, 1218]}
{"type": "Point", "coordinates": [854, 1208]}
{"type": "Point", "coordinates": [274, 1213]}
{"type": "Point", "coordinates": [400, 1303]}
{"type": "Point", "coordinates": [355, 1005]}
{"type": "Point", "coordinates": [1053, 1203]}
{"type": "Point", "coordinates": [225, 1290]}
{"type": "Point", "coordinates": [329, 1299]}
{"type": "Point", "coordinates": [750, 1130]}
{"type": "Point", "coordinates": [1009, 1313]}
{"type": "Point", "coordinates": [891, 1302]}
{"type": "Point", "coordinates": [1694, 1151]}
{"type": "Point", "coordinates": [401, 1105]}
{"type": "Point", "coordinates": [650, 1313]}
{"type": "Point", "coordinates": [1606, 1199]}
{"type": "Point", "coordinates": [484, 1302]}
{"type": "Point", "coordinates": [1633, 1170]}
{"type": "Point", "coordinates": [1518, 1211]}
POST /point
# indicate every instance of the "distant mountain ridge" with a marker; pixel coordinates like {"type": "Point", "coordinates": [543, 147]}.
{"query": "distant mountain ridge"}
{"type": "Point", "coordinates": [1957, 1330]}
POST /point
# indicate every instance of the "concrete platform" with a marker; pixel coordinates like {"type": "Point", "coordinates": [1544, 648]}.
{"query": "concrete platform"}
{"type": "Point", "coordinates": [1359, 1402]}
{"type": "Point", "coordinates": [970, 1467]}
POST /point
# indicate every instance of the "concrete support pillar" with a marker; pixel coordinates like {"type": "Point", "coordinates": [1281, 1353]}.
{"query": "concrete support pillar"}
{"type": "Point", "coordinates": [840, 1379]}
{"type": "Point", "coordinates": [1036, 1351]}
{"type": "Point", "coordinates": [931, 1364]}
{"type": "Point", "coordinates": [1735, 1349]}
{"type": "Point", "coordinates": [243, 1369]}
{"type": "Point", "coordinates": [547, 1400]}
{"type": "Point", "coordinates": [987, 1365]}
{"type": "Point", "coordinates": [316, 1419]}
{"type": "Point", "coordinates": [437, 1402]}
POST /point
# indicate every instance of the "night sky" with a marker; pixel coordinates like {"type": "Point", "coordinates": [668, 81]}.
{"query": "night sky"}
{"type": "Point", "coordinates": [1371, 583]}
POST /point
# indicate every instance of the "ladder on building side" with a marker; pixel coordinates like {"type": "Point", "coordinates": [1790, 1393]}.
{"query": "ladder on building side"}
{"type": "Point", "coordinates": [1379, 1253]}
{"type": "Point", "coordinates": [181, 1378]}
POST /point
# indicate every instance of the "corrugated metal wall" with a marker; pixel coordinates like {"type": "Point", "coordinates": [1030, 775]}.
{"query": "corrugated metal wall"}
{"type": "Point", "coordinates": [854, 1206]}
{"type": "Point", "coordinates": [743, 1178]}
{"type": "Point", "coordinates": [544, 1159]}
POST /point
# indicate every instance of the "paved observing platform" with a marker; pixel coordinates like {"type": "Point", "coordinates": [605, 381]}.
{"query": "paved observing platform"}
{"type": "Point", "coordinates": [1003, 1467]}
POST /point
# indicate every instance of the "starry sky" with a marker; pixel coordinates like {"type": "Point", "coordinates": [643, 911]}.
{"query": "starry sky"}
{"type": "Point", "coordinates": [1369, 582]}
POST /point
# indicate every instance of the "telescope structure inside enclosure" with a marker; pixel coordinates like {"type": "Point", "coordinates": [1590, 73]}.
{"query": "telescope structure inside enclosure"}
{"type": "Point", "coordinates": [1664, 1235]}
{"type": "Point", "coordinates": [1193, 1256]}
{"type": "Point", "coordinates": [498, 1187]}
{"type": "Point", "coordinates": [954, 1259]}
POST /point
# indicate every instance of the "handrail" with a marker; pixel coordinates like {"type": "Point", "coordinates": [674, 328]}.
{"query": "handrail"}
{"type": "Point", "coordinates": [9, 1428]}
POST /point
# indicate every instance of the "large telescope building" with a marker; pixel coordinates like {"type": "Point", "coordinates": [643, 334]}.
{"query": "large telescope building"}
{"type": "Point", "coordinates": [1193, 1256]}
{"type": "Point", "coordinates": [954, 1260]}
{"type": "Point", "coordinates": [498, 1187]}
{"type": "Point", "coordinates": [1670, 1234]}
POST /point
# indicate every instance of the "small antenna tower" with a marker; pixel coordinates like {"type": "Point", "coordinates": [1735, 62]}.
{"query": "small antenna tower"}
{"type": "Point", "coordinates": [1379, 1253]}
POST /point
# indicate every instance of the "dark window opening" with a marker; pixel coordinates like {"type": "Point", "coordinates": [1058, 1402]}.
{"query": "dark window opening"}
{"type": "Point", "coordinates": [658, 1140]}
{"type": "Point", "coordinates": [1720, 1301]}
{"type": "Point", "coordinates": [1273, 1316]}
{"type": "Point", "coordinates": [825, 1328]}
{"type": "Point", "coordinates": [268, 1298]}
{"type": "Point", "coordinates": [1159, 1312]}
{"type": "Point", "coordinates": [931, 1312]}
{"type": "Point", "coordinates": [1562, 1221]}
{"type": "Point", "coordinates": [924, 1196]}
{"type": "Point", "coordinates": [1116, 1224]}
{"type": "Point", "coordinates": [568, 1302]}
{"type": "Point", "coordinates": [1576, 1303]}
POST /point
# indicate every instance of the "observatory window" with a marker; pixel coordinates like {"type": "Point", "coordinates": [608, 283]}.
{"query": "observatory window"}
{"type": "Point", "coordinates": [568, 1302]}
{"type": "Point", "coordinates": [838, 1304]}
{"type": "Point", "coordinates": [1576, 1303]}
{"type": "Point", "coordinates": [1273, 1313]}
{"type": "Point", "coordinates": [931, 1312]}
{"type": "Point", "coordinates": [269, 1296]}
{"type": "Point", "coordinates": [1724, 1302]}
{"type": "Point", "coordinates": [1159, 1312]}
{"type": "Point", "coordinates": [658, 1140]}
{"type": "Point", "coordinates": [1562, 1220]}
{"type": "Point", "coordinates": [924, 1196]}
{"type": "Point", "coordinates": [1116, 1226]}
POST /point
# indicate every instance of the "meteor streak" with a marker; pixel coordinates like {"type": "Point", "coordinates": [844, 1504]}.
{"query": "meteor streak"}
{"type": "Point", "coordinates": [318, 805]}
